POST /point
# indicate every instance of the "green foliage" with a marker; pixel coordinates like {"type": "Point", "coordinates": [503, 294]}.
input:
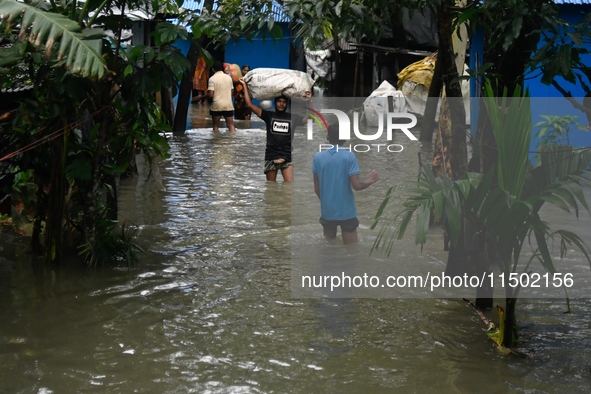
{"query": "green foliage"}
{"type": "Point", "coordinates": [317, 21]}
{"type": "Point", "coordinates": [505, 210]}
{"type": "Point", "coordinates": [564, 46]}
{"type": "Point", "coordinates": [235, 19]}
{"type": "Point", "coordinates": [25, 189]}
{"type": "Point", "coordinates": [502, 21]}
{"type": "Point", "coordinates": [555, 129]}
{"type": "Point", "coordinates": [114, 244]}
{"type": "Point", "coordinates": [167, 32]}
{"type": "Point", "coordinates": [564, 50]}
{"type": "Point", "coordinates": [78, 52]}
{"type": "Point", "coordinates": [511, 124]}
{"type": "Point", "coordinates": [96, 124]}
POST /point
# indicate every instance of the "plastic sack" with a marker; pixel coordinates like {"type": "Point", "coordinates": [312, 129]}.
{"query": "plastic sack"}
{"type": "Point", "coordinates": [318, 62]}
{"type": "Point", "coordinates": [376, 105]}
{"type": "Point", "coordinates": [414, 82]}
{"type": "Point", "coordinates": [233, 70]}
{"type": "Point", "coordinates": [269, 83]}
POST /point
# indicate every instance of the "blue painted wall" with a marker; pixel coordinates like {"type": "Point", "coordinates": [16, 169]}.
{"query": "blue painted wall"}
{"type": "Point", "coordinates": [572, 14]}
{"type": "Point", "coordinates": [549, 101]}
{"type": "Point", "coordinates": [546, 100]}
{"type": "Point", "coordinates": [259, 53]}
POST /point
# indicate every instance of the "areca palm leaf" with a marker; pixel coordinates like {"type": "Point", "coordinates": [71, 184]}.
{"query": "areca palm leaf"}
{"type": "Point", "coordinates": [541, 232]}
{"type": "Point", "coordinates": [510, 118]}
{"type": "Point", "coordinates": [393, 229]}
{"type": "Point", "coordinates": [559, 163]}
{"type": "Point", "coordinates": [568, 238]}
{"type": "Point", "coordinates": [420, 199]}
{"type": "Point", "coordinates": [480, 186]}
{"type": "Point", "coordinates": [493, 206]}
{"type": "Point", "coordinates": [44, 29]}
{"type": "Point", "coordinates": [564, 161]}
{"type": "Point", "coordinates": [559, 178]}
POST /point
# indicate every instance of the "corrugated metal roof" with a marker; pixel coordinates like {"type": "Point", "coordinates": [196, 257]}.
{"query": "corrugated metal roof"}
{"type": "Point", "coordinates": [197, 5]}
{"type": "Point", "coordinates": [579, 2]}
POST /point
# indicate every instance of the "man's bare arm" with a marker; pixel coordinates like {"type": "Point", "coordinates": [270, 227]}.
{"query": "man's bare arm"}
{"type": "Point", "coordinates": [255, 108]}
{"type": "Point", "coordinates": [207, 95]}
{"type": "Point", "coordinates": [359, 184]}
{"type": "Point", "coordinates": [309, 103]}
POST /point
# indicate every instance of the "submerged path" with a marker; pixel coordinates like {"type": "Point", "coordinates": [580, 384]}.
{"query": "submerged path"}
{"type": "Point", "coordinates": [210, 306]}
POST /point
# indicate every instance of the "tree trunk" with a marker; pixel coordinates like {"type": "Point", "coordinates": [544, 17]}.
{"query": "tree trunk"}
{"type": "Point", "coordinates": [55, 206]}
{"type": "Point", "coordinates": [338, 90]}
{"type": "Point", "coordinates": [186, 86]}
{"type": "Point", "coordinates": [167, 104]}
{"type": "Point", "coordinates": [185, 92]}
{"type": "Point", "coordinates": [451, 146]}
{"type": "Point", "coordinates": [40, 217]}
{"type": "Point", "coordinates": [458, 153]}
{"type": "Point", "coordinates": [510, 327]}
{"type": "Point", "coordinates": [443, 139]}
{"type": "Point", "coordinates": [431, 107]}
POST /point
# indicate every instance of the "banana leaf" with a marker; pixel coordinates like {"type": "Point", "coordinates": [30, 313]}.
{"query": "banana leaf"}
{"type": "Point", "coordinates": [80, 55]}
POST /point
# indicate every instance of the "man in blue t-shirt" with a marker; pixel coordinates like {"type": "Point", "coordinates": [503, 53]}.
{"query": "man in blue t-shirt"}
{"type": "Point", "coordinates": [336, 175]}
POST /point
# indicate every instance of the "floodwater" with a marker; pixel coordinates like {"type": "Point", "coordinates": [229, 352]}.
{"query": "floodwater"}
{"type": "Point", "coordinates": [210, 307]}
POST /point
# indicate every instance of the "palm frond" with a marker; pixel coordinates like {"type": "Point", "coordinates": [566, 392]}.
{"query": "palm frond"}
{"type": "Point", "coordinates": [510, 118]}
{"type": "Point", "coordinates": [568, 238]}
{"type": "Point", "coordinates": [45, 29]}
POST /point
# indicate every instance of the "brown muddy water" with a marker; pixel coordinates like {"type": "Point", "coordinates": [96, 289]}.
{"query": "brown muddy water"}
{"type": "Point", "coordinates": [209, 308]}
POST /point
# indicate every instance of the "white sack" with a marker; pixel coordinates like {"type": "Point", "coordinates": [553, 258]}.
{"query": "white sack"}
{"type": "Point", "coordinates": [269, 83]}
{"type": "Point", "coordinates": [416, 97]}
{"type": "Point", "coordinates": [318, 63]}
{"type": "Point", "coordinates": [376, 104]}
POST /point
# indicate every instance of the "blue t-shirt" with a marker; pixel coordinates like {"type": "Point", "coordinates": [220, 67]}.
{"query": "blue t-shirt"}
{"type": "Point", "coordinates": [333, 168]}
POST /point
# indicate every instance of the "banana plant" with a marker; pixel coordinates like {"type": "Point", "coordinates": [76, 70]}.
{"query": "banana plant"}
{"type": "Point", "coordinates": [504, 204]}
{"type": "Point", "coordinates": [76, 48]}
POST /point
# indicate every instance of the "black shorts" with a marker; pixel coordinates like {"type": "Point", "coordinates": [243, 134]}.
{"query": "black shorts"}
{"type": "Point", "coordinates": [225, 114]}
{"type": "Point", "coordinates": [347, 225]}
{"type": "Point", "coordinates": [270, 165]}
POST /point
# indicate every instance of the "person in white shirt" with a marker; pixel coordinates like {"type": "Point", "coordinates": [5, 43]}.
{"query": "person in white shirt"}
{"type": "Point", "coordinates": [219, 89]}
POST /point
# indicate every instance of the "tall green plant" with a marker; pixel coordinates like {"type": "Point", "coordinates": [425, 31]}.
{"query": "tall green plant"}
{"type": "Point", "coordinates": [504, 204]}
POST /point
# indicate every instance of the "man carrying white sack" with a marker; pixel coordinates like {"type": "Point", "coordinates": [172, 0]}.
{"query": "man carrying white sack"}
{"type": "Point", "coordinates": [279, 135]}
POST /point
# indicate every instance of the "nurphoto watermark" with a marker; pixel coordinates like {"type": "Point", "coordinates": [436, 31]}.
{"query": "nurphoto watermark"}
{"type": "Point", "coordinates": [363, 132]}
